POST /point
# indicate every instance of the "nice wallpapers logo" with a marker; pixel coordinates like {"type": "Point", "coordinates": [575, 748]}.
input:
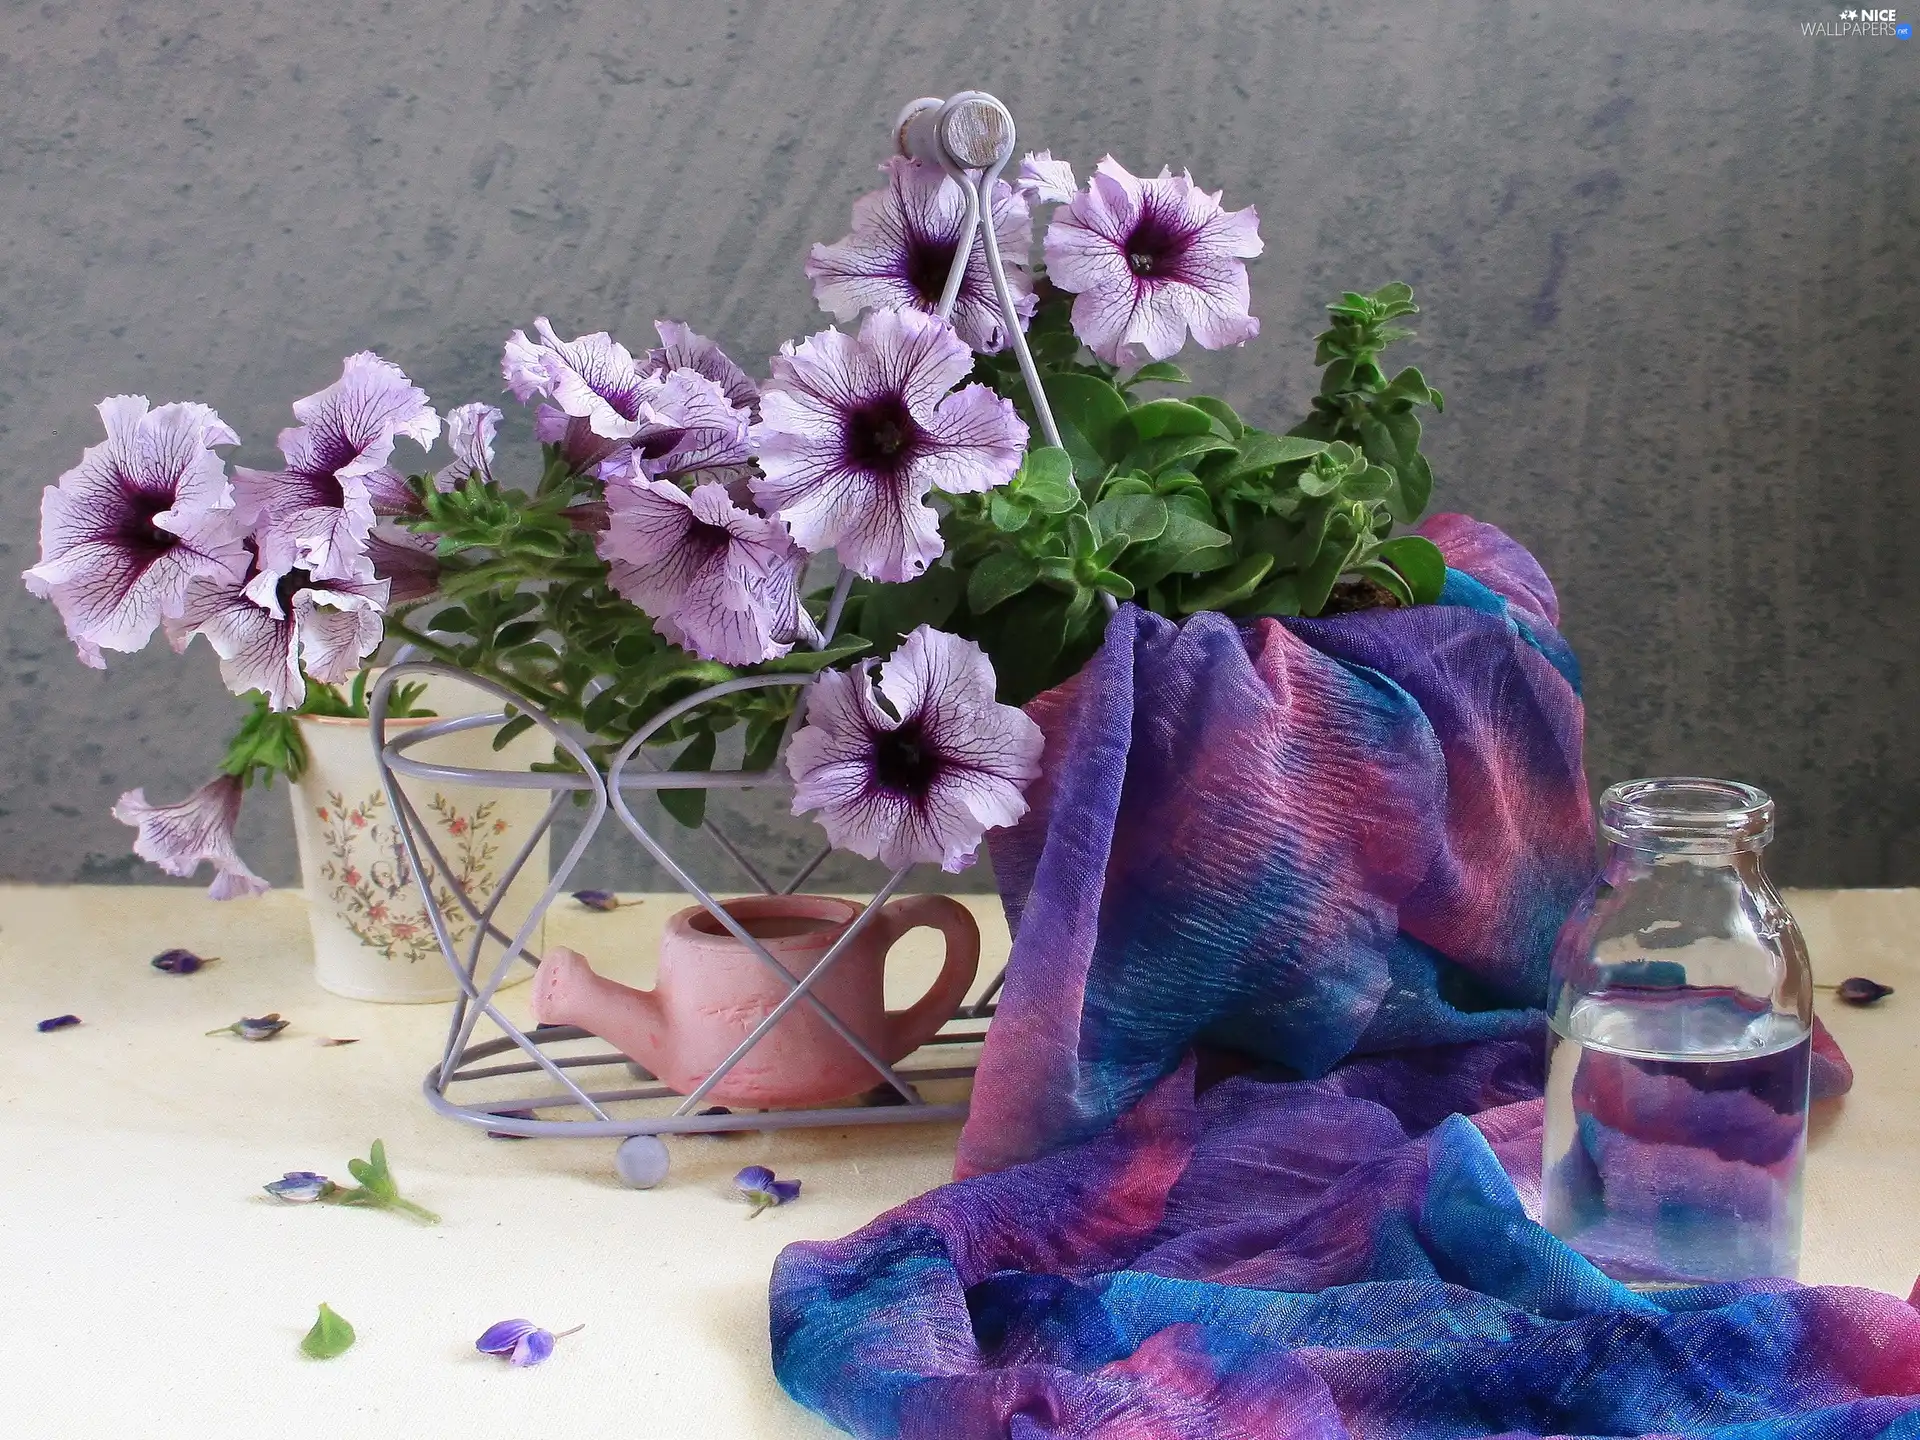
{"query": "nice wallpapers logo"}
{"type": "Point", "coordinates": [1860, 22]}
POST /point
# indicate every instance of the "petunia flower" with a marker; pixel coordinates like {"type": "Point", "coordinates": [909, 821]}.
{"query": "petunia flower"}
{"type": "Point", "coordinates": [299, 1187]}
{"type": "Point", "coordinates": [689, 561]}
{"type": "Point", "coordinates": [855, 431]}
{"type": "Point", "coordinates": [520, 1342]}
{"type": "Point", "coordinates": [593, 378]}
{"type": "Point", "coordinates": [925, 779]}
{"type": "Point", "coordinates": [1150, 259]}
{"type": "Point", "coordinates": [178, 837]}
{"type": "Point", "coordinates": [762, 1190]}
{"type": "Point", "coordinates": [470, 431]}
{"type": "Point", "coordinates": [127, 531]}
{"type": "Point", "coordinates": [1044, 180]}
{"type": "Point", "coordinates": [280, 627]}
{"type": "Point", "coordinates": [407, 561]}
{"type": "Point", "coordinates": [579, 446]}
{"type": "Point", "coordinates": [316, 513]}
{"type": "Point", "coordinates": [681, 349]}
{"type": "Point", "coordinates": [902, 247]}
{"type": "Point", "coordinates": [689, 432]}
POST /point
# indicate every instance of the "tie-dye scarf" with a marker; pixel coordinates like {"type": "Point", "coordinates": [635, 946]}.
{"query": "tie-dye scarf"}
{"type": "Point", "coordinates": [1256, 1132]}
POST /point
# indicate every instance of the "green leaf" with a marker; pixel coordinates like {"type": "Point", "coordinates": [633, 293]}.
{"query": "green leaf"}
{"type": "Point", "coordinates": [1088, 466]}
{"type": "Point", "coordinates": [452, 621]}
{"type": "Point", "coordinates": [511, 731]}
{"type": "Point", "coordinates": [1234, 584]}
{"type": "Point", "coordinates": [1279, 596]}
{"type": "Point", "coordinates": [1387, 578]}
{"type": "Point", "coordinates": [1114, 584]}
{"type": "Point", "coordinates": [1008, 512]}
{"type": "Point", "coordinates": [1092, 407]}
{"type": "Point", "coordinates": [1394, 292]}
{"type": "Point", "coordinates": [763, 744]}
{"type": "Point", "coordinates": [1001, 576]}
{"type": "Point", "coordinates": [1316, 578]}
{"type": "Point", "coordinates": [1153, 456]}
{"type": "Point", "coordinates": [801, 661]}
{"type": "Point", "coordinates": [689, 807]}
{"type": "Point", "coordinates": [1163, 372]}
{"type": "Point", "coordinates": [1267, 451]}
{"type": "Point", "coordinates": [1140, 518]}
{"type": "Point", "coordinates": [1046, 465]}
{"type": "Point", "coordinates": [1024, 637]}
{"type": "Point", "coordinates": [331, 1335]}
{"type": "Point", "coordinates": [517, 633]}
{"type": "Point", "coordinates": [1373, 483]}
{"type": "Point", "coordinates": [1222, 413]}
{"type": "Point", "coordinates": [1409, 499]}
{"type": "Point", "coordinates": [1051, 499]}
{"type": "Point", "coordinates": [1169, 417]}
{"type": "Point", "coordinates": [1420, 563]}
{"type": "Point", "coordinates": [889, 613]}
{"type": "Point", "coordinates": [1320, 480]}
{"type": "Point", "coordinates": [1128, 484]}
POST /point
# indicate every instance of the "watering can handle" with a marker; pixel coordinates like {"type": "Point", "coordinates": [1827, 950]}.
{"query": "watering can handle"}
{"type": "Point", "coordinates": [909, 1029]}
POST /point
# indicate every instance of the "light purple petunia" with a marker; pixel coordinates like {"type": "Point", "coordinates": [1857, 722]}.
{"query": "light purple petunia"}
{"type": "Point", "coordinates": [279, 623]}
{"type": "Point", "coordinates": [593, 378]}
{"type": "Point", "coordinates": [690, 432]}
{"type": "Point", "coordinates": [520, 1342]}
{"type": "Point", "coordinates": [1044, 180]}
{"type": "Point", "coordinates": [902, 246]}
{"type": "Point", "coordinates": [583, 450]}
{"type": "Point", "coordinates": [407, 561]}
{"type": "Point", "coordinates": [1150, 259]}
{"type": "Point", "coordinates": [855, 431]}
{"type": "Point", "coordinates": [316, 513]}
{"type": "Point", "coordinates": [926, 780]}
{"type": "Point", "coordinates": [127, 531]}
{"type": "Point", "coordinates": [681, 349]}
{"type": "Point", "coordinates": [178, 837]}
{"type": "Point", "coordinates": [470, 431]}
{"type": "Point", "coordinates": [698, 565]}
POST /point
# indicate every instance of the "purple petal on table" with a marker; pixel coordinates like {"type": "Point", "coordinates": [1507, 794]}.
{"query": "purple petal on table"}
{"type": "Point", "coordinates": [519, 1342]}
{"type": "Point", "coordinates": [299, 1187]}
{"type": "Point", "coordinates": [1858, 990]}
{"type": "Point", "coordinates": [179, 962]}
{"type": "Point", "coordinates": [598, 899]}
{"type": "Point", "coordinates": [57, 1022]}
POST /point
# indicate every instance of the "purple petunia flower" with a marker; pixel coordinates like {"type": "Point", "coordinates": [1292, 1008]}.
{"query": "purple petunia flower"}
{"type": "Point", "coordinates": [407, 561]}
{"type": "Point", "coordinates": [681, 349]}
{"type": "Point", "coordinates": [1044, 180]}
{"type": "Point", "coordinates": [127, 531]}
{"type": "Point", "coordinates": [759, 1187]}
{"type": "Point", "coordinates": [579, 446]}
{"type": "Point", "coordinates": [519, 1342]}
{"type": "Point", "coordinates": [689, 432]}
{"type": "Point", "coordinates": [1149, 260]}
{"type": "Point", "coordinates": [593, 378]}
{"type": "Point", "coordinates": [276, 624]}
{"type": "Point", "coordinates": [902, 246]}
{"type": "Point", "coordinates": [927, 779]}
{"type": "Point", "coordinates": [691, 562]}
{"type": "Point", "coordinates": [180, 962]}
{"type": "Point", "coordinates": [470, 431]}
{"type": "Point", "coordinates": [855, 431]}
{"type": "Point", "coordinates": [315, 514]}
{"type": "Point", "coordinates": [300, 1187]}
{"type": "Point", "coordinates": [178, 837]}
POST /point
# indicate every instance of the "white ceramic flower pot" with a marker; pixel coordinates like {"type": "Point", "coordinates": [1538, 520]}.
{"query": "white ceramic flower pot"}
{"type": "Point", "coordinates": [372, 938]}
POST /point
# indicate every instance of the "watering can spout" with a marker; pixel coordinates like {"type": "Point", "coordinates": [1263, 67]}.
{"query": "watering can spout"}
{"type": "Point", "coordinates": [567, 992]}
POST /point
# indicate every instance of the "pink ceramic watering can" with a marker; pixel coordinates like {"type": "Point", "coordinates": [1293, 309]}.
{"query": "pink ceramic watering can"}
{"type": "Point", "coordinates": [712, 991]}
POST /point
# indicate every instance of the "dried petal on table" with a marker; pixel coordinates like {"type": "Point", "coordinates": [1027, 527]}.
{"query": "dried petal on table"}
{"type": "Point", "coordinates": [597, 899]}
{"type": "Point", "coordinates": [250, 1027]}
{"type": "Point", "coordinates": [520, 1342]}
{"type": "Point", "coordinates": [762, 1190]}
{"type": "Point", "coordinates": [180, 962]}
{"type": "Point", "coordinates": [1858, 990]}
{"type": "Point", "coordinates": [57, 1022]}
{"type": "Point", "coordinates": [300, 1187]}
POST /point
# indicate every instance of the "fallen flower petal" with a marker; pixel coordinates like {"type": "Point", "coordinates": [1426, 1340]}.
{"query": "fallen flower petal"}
{"type": "Point", "coordinates": [337, 1040]}
{"type": "Point", "coordinates": [300, 1187]}
{"type": "Point", "coordinates": [762, 1190]}
{"type": "Point", "coordinates": [180, 962]}
{"type": "Point", "coordinates": [248, 1027]}
{"type": "Point", "coordinates": [1858, 990]}
{"type": "Point", "coordinates": [520, 1342]}
{"type": "Point", "coordinates": [58, 1022]}
{"type": "Point", "coordinates": [597, 899]}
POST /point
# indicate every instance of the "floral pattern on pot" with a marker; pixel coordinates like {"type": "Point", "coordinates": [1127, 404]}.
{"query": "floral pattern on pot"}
{"type": "Point", "coordinates": [371, 883]}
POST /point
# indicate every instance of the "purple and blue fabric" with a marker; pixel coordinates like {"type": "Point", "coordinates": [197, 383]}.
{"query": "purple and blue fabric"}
{"type": "Point", "coordinates": [1255, 1142]}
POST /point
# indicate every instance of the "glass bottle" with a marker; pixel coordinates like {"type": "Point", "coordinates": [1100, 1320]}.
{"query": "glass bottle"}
{"type": "Point", "coordinates": [1680, 1015]}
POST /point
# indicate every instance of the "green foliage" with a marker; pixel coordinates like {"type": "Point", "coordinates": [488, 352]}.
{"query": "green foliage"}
{"type": "Point", "coordinates": [1178, 504]}
{"type": "Point", "coordinates": [377, 1188]}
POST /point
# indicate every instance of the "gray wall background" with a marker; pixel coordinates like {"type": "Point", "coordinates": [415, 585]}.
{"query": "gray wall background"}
{"type": "Point", "coordinates": [1667, 253]}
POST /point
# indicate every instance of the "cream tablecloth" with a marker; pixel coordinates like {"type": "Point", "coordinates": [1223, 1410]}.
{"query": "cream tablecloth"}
{"type": "Point", "coordinates": [151, 1289]}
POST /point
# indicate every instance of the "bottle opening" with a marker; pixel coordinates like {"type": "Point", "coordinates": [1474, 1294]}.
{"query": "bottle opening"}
{"type": "Point", "coordinates": [1686, 815]}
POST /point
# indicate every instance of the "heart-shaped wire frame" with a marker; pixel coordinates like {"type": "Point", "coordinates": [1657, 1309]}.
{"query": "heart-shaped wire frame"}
{"type": "Point", "coordinates": [963, 115]}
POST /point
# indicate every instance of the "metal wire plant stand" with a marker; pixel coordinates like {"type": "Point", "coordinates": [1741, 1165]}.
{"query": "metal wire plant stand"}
{"type": "Point", "coordinates": [971, 137]}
